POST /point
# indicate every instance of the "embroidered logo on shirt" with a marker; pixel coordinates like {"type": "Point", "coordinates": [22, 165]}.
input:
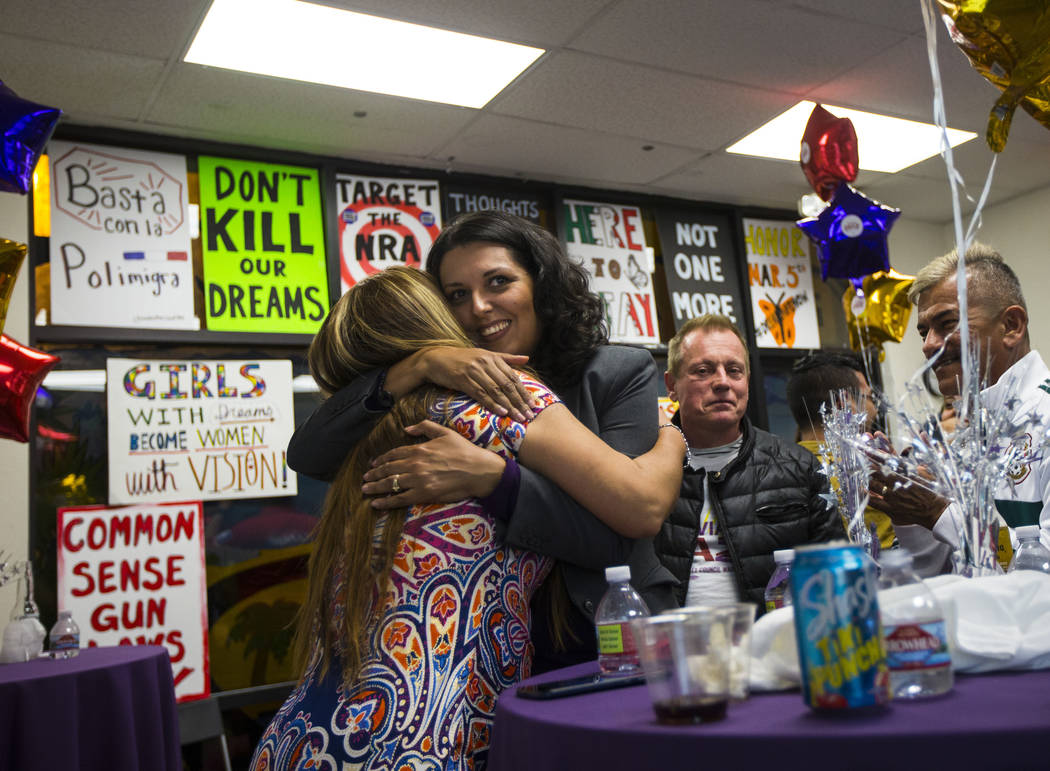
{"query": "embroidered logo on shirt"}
{"type": "Point", "coordinates": [1022, 467]}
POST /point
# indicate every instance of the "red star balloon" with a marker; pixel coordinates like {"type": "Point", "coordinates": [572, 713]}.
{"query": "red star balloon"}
{"type": "Point", "coordinates": [22, 370]}
{"type": "Point", "coordinates": [26, 127]}
{"type": "Point", "coordinates": [828, 154]}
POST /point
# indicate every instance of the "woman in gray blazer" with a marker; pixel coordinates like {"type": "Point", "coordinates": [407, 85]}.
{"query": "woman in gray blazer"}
{"type": "Point", "coordinates": [524, 302]}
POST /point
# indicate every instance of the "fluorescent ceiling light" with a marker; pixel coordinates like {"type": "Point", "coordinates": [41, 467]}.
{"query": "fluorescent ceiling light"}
{"type": "Point", "coordinates": [318, 44]}
{"type": "Point", "coordinates": [883, 143]}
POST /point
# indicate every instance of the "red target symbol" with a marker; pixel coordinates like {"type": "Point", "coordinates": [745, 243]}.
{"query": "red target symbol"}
{"type": "Point", "coordinates": [374, 236]}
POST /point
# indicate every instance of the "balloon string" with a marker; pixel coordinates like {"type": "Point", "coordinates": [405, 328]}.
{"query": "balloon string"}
{"type": "Point", "coordinates": [955, 180]}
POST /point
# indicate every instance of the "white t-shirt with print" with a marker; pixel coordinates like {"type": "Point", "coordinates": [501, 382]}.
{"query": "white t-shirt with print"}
{"type": "Point", "coordinates": [711, 579]}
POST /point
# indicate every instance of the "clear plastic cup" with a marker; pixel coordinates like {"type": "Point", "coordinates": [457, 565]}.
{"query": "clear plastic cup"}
{"type": "Point", "coordinates": [740, 620]}
{"type": "Point", "coordinates": [686, 660]}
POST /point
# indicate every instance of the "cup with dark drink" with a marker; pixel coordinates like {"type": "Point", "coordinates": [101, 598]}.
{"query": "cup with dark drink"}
{"type": "Point", "coordinates": [686, 660]}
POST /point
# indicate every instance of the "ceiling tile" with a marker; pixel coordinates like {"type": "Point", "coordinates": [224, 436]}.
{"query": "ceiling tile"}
{"type": "Point", "coordinates": [542, 151]}
{"type": "Point", "coordinates": [155, 29]}
{"type": "Point", "coordinates": [304, 116]}
{"type": "Point", "coordinates": [901, 15]}
{"type": "Point", "coordinates": [740, 179]}
{"type": "Point", "coordinates": [765, 44]}
{"type": "Point", "coordinates": [593, 92]}
{"type": "Point", "coordinates": [82, 83]}
{"type": "Point", "coordinates": [546, 23]}
{"type": "Point", "coordinates": [924, 199]}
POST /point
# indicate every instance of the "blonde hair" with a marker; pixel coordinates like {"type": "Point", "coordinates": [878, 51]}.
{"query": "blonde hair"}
{"type": "Point", "coordinates": [705, 322]}
{"type": "Point", "coordinates": [377, 323]}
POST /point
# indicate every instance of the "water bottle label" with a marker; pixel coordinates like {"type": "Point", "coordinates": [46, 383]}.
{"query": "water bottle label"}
{"type": "Point", "coordinates": [615, 639]}
{"type": "Point", "coordinates": [917, 646]}
{"type": "Point", "coordinates": [1006, 548]}
{"type": "Point", "coordinates": [66, 642]}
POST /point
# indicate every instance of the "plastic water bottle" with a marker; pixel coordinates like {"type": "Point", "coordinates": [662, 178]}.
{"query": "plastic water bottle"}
{"type": "Point", "coordinates": [65, 636]}
{"type": "Point", "coordinates": [1030, 553]}
{"type": "Point", "coordinates": [778, 592]}
{"type": "Point", "coordinates": [617, 653]}
{"type": "Point", "coordinates": [914, 631]}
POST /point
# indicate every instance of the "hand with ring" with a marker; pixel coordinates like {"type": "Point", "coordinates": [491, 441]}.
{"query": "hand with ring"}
{"type": "Point", "coordinates": [396, 487]}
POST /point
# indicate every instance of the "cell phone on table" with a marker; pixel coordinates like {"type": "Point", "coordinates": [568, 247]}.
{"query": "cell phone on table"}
{"type": "Point", "coordinates": [573, 686]}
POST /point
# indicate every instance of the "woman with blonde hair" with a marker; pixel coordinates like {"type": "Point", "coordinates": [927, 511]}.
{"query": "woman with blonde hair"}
{"type": "Point", "coordinates": [417, 617]}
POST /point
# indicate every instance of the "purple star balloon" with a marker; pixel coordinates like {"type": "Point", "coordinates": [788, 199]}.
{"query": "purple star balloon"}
{"type": "Point", "coordinates": [26, 127]}
{"type": "Point", "coordinates": [851, 234]}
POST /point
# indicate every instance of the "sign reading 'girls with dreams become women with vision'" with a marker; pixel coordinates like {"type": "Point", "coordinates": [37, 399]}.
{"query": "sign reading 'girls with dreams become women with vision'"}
{"type": "Point", "coordinates": [209, 430]}
{"type": "Point", "coordinates": [120, 238]}
{"type": "Point", "coordinates": [608, 240]}
{"type": "Point", "coordinates": [263, 245]}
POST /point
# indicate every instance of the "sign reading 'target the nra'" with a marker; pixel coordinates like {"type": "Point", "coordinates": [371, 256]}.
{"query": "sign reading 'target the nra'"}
{"type": "Point", "coordinates": [134, 575]}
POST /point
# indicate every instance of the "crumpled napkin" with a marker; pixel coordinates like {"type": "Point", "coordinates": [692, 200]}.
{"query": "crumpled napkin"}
{"type": "Point", "coordinates": [993, 622]}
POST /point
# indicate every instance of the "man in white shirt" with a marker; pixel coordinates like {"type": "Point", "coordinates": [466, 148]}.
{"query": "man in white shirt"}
{"type": "Point", "coordinates": [998, 318]}
{"type": "Point", "coordinates": [747, 492]}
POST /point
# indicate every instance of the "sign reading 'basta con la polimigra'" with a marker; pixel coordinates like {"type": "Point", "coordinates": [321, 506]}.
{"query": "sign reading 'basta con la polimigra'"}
{"type": "Point", "coordinates": [120, 238]}
{"type": "Point", "coordinates": [208, 430]}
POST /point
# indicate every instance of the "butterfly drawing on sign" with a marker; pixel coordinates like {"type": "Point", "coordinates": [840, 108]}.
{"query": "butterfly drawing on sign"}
{"type": "Point", "coordinates": [780, 318]}
{"type": "Point", "coordinates": [635, 273]}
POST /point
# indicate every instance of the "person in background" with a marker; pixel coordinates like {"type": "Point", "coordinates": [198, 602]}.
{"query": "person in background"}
{"type": "Point", "coordinates": [519, 298]}
{"type": "Point", "coordinates": [1017, 380]}
{"type": "Point", "coordinates": [813, 379]}
{"type": "Point", "coordinates": [747, 493]}
{"type": "Point", "coordinates": [417, 617]}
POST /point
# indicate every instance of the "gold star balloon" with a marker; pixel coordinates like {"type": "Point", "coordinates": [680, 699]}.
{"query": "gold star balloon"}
{"type": "Point", "coordinates": [878, 312]}
{"type": "Point", "coordinates": [11, 255]}
{"type": "Point", "coordinates": [1008, 42]}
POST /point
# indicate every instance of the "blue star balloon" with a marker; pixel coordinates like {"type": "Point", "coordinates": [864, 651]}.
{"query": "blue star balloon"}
{"type": "Point", "coordinates": [851, 234]}
{"type": "Point", "coordinates": [26, 127]}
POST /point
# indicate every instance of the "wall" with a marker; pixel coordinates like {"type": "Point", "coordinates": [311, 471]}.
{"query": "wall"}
{"type": "Point", "coordinates": [14, 456]}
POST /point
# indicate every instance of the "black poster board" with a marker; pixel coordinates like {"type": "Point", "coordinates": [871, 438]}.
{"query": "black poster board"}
{"type": "Point", "coordinates": [700, 265]}
{"type": "Point", "coordinates": [527, 204]}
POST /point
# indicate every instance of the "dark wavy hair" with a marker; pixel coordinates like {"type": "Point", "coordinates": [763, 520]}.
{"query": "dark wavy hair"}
{"type": "Point", "coordinates": [571, 318]}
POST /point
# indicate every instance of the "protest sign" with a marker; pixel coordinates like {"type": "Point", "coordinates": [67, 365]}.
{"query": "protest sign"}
{"type": "Point", "coordinates": [781, 279]}
{"type": "Point", "coordinates": [608, 240]}
{"type": "Point", "coordinates": [198, 429]}
{"type": "Point", "coordinates": [263, 244]}
{"type": "Point", "coordinates": [134, 575]}
{"type": "Point", "coordinates": [460, 199]}
{"type": "Point", "coordinates": [700, 265]}
{"type": "Point", "coordinates": [120, 238]}
{"type": "Point", "coordinates": [384, 222]}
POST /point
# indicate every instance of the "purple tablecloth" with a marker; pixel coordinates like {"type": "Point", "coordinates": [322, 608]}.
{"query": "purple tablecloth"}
{"type": "Point", "coordinates": [108, 709]}
{"type": "Point", "coordinates": [987, 721]}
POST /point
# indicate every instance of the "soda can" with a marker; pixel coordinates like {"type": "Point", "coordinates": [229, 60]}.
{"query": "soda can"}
{"type": "Point", "coordinates": [840, 650]}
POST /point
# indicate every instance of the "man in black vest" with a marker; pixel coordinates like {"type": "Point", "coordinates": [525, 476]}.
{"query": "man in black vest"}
{"type": "Point", "coordinates": [747, 492]}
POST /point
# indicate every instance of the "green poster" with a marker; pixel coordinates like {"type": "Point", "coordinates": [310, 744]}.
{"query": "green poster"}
{"type": "Point", "coordinates": [263, 240]}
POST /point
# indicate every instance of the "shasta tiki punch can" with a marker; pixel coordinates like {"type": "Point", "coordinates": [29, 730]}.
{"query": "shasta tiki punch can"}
{"type": "Point", "coordinates": [840, 650]}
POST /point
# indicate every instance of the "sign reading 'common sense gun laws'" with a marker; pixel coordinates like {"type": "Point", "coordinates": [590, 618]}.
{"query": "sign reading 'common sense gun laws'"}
{"type": "Point", "coordinates": [207, 430]}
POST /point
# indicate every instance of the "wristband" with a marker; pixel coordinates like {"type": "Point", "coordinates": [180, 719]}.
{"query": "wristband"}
{"type": "Point", "coordinates": [688, 452]}
{"type": "Point", "coordinates": [501, 501]}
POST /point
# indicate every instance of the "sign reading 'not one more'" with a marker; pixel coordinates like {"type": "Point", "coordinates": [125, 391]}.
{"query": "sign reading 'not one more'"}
{"type": "Point", "coordinates": [700, 265]}
{"type": "Point", "coordinates": [212, 430]}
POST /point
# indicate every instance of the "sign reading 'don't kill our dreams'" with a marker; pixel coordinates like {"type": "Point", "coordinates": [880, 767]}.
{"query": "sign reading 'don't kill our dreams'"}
{"type": "Point", "coordinates": [263, 244]}
{"type": "Point", "coordinates": [700, 265]}
{"type": "Point", "coordinates": [384, 222]}
{"type": "Point", "coordinates": [209, 430]}
{"type": "Point", "coordinates": [781, 279]}
{"type": "Point", "coordinates": [134, 575]}
{"type": "Point", "coordinates": [120, 238]}
{"type": "Point", "coordinates": [608, 240]}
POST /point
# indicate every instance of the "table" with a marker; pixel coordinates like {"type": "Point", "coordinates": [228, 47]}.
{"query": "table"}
{"type": "Point", "coordinates": [998, 720]}
{"type": "Point", "coordinates": [108, 709]}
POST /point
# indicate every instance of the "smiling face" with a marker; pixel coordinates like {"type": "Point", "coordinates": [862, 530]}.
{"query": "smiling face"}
{"type": "Point", "coordinates": [938, 326]}
{"type": "Point", "coordinates": [491, 296]}
{"type": "Point", "coordinates": [710, 386]}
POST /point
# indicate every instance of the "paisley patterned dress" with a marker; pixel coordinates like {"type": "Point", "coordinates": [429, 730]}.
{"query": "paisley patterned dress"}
{"type": "Point", "coordinates": [454, 634]}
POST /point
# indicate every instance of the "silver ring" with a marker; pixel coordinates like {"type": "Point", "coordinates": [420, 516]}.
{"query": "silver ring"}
{"type": "Point", "coordinates": [397, 484]}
